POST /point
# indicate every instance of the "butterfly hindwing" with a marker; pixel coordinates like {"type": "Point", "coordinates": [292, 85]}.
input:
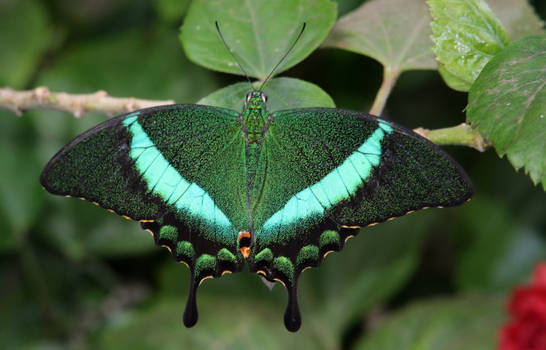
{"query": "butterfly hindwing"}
{"type": "Point", "coordinates": [168, 168]}
{"type": "Point", "coordinates": [328, 172]}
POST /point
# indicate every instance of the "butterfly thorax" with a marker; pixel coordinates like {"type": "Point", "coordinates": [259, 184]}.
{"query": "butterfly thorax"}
{"type": "Point", "coordinates": [255, 118]}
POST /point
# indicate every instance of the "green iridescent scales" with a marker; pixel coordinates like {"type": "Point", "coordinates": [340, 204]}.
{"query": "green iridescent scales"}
{"type": "Point", "coordinates": [297, 182]}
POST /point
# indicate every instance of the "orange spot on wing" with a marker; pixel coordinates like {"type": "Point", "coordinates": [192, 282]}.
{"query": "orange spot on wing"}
{"type": "Point", "coordinates": [328, 252]}
{"type": "Point", "coordinates": [278, 280]}
{"type": "Point", "coordinates": [244, 234]}
{"type": "Point", "coordinates": [245, 251]}
{"type": "Point", "coordinates": [205, 278]}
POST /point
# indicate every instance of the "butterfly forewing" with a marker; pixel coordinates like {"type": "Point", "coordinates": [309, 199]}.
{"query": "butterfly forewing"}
{"type": "Point", "coordinates": [178, 169]}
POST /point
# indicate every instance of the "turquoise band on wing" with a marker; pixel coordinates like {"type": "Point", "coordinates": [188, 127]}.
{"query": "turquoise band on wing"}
{"type": "Point", "coordinates": [339, 184]}
{"type": "Point", "coordinates": [163, 179]}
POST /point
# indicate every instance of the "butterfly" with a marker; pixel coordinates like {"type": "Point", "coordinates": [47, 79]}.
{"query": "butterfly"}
{"type": "Point", "coordinates": [277, 191]}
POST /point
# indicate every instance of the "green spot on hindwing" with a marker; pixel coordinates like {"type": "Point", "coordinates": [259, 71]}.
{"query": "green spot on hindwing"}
{"type": "Point", "coordinates": [308, 255]}
{"type": "Point", "coordinates": [265, 255]}
{"type": "Point", "coordinates": [226, 256]}
{"type": "Point", "coordinates": [184, 249]}
{"type": "Point", "coordinates": [168, 233]}
{"type": "Point", "coordinates": [283, 265]}
{"type": "Point", "coordinates": [329, 238]}
{"type": "Point", "coordinates": [205, 263]}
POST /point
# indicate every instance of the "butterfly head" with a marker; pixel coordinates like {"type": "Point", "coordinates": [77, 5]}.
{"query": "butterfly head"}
{"type": "Point", "coordinates": [255, 100]}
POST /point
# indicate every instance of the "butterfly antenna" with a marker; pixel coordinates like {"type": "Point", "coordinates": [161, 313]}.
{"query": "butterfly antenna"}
{"type": "Point", "coordinates": [283, 57]}
{"type": "Point", "coordinates": [231, 53]}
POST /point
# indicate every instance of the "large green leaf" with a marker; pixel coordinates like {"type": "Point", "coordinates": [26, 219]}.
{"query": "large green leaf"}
{"type": "Point", "coordinates": [25, 34]}
{"type": "Point", "coordinates": [466, 36]}
{"type": "Point", "coordinates": [394, 32]}
{"type": "Point", "coordinates": [507, 104]}
{"type": "Point", "coordinates": [450, 324]}
{"type": "Point", "coordinates": [258, 32]}
{"type": "Point", "coordinates": [283, 93]}
{"type": "Point", "coordinates": [346, 6]}
{"type": "Point", "coordinates": [518, 17]}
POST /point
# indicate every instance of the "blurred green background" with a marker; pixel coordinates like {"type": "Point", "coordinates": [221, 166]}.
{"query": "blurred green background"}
{"type": "Point", "coordinates": [75, 276]}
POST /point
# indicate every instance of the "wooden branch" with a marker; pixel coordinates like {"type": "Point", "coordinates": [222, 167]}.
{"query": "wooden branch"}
{"type": "Point", "coordinates": [77, 104]}
{"type": "Point", "coordinates": [100, 102]}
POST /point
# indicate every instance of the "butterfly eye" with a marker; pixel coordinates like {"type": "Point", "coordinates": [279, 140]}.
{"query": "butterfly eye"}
{"type": "Point", "coordinates": [248, 97]}
{"type": "Point", "coordinates": [264, 97]}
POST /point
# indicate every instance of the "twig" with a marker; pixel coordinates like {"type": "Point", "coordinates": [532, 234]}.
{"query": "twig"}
{"type": "Point", "coordinates": [80, 104]}
{"type": "Point", "coordinates": [460, 135]}
{"type": "Point", "coordinates": [390, 75]}
{"type": "Point", "coordinates": [77, 104]}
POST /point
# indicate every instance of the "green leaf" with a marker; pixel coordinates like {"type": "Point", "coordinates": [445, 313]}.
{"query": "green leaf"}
{"type": "Point", "coordinates": [452, 80]}
{"type": "Point", "coordinates": [518, 17]}
{"type": "Point", "coordinates": [470, 322]}
{"type": "Point", "coordinates": [346, 6]}
{"type": "Point", "coordinates": [399, 39]}
{"type": "Point", "coordinates": [500, 253]}
{"type": "Point", "coordinates": [25, 34]}
{"type": "Point", "coordinates": [507, 104]}
{"type": "Point", "coordinates": [466, 36]}
{"type": "Point", "coordinates": [283, 93]}
{"type": "Point", "coordinates": [258, 33]}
